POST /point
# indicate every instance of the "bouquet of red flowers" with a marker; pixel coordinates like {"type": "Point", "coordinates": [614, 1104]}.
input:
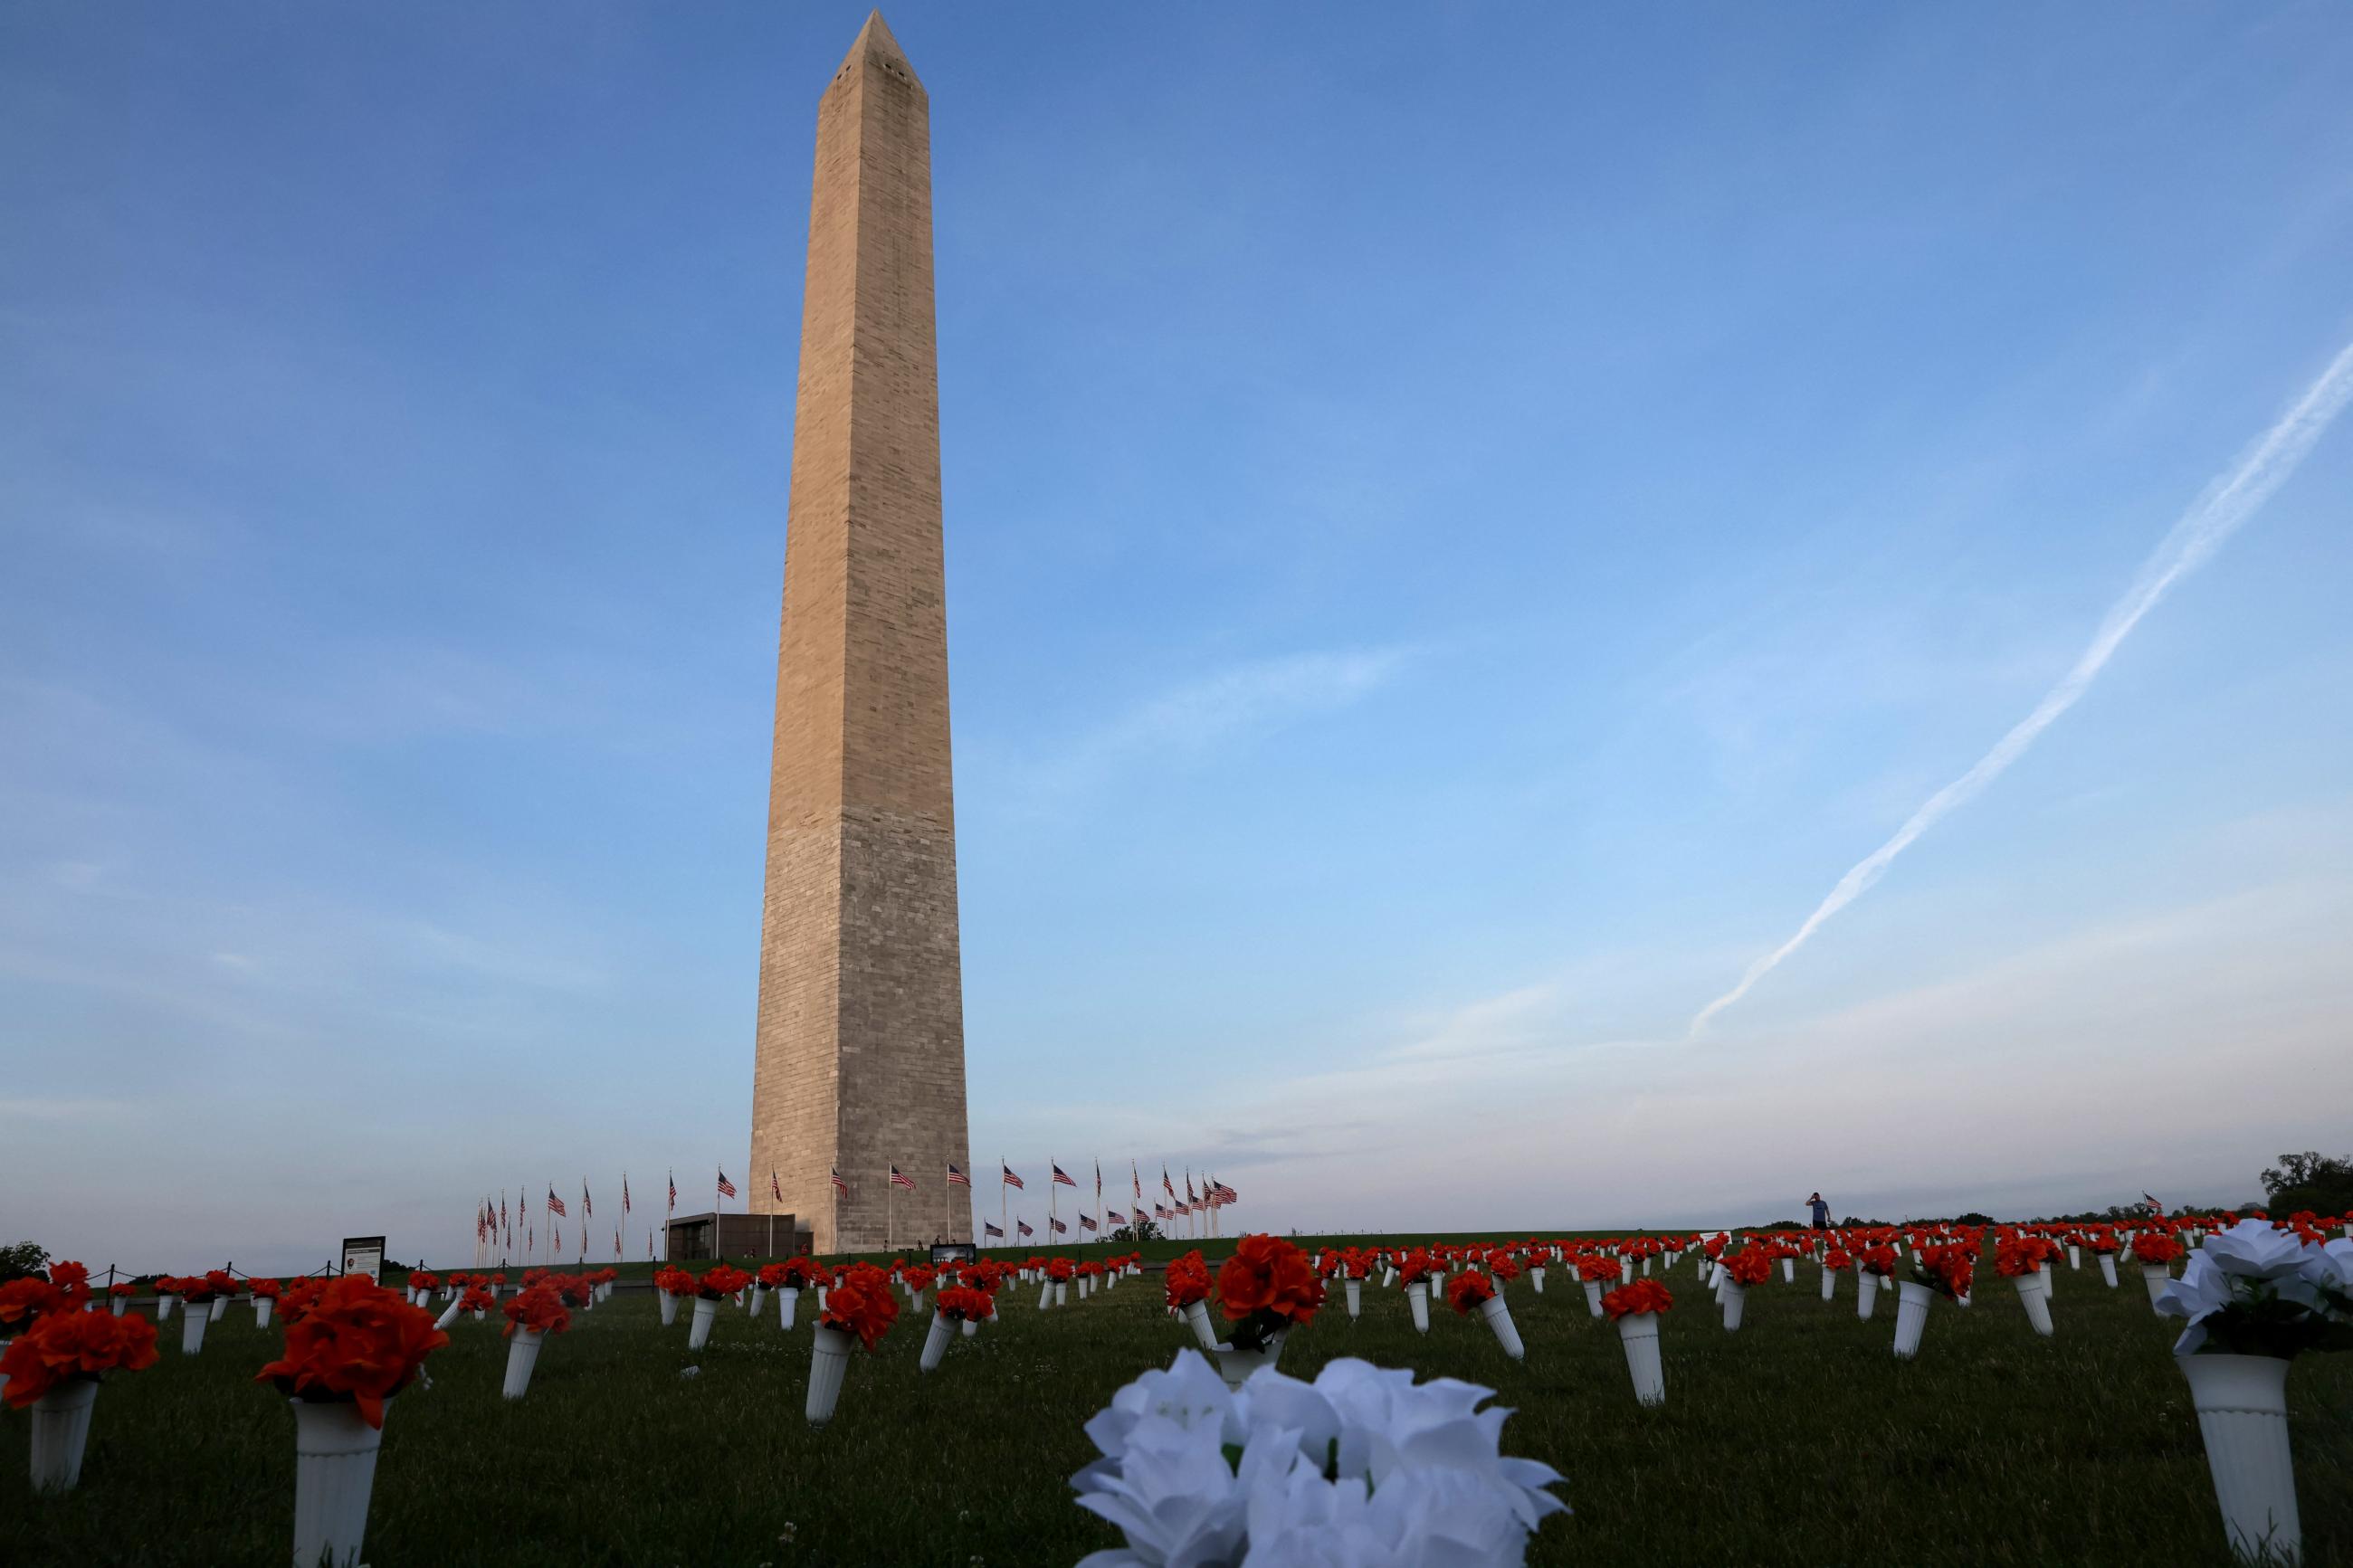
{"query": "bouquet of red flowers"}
{"type": "Point", "coordinates": [1879, 1260]}
{"type": "Point", "coordinates": [1642, 1296]}
{"type": "Point", "coordinates": [420, 1280]}
{"type": "Point", "coordinates": [1749, 1265]}
{"type": "Point", "coordinates": [539, 1308]}
{"type": "Point", "coordinates": [2021, 1255]}
{"type": "Point", "coordinates": [1187, 1280]}
{"type": "Point", "coordinates": [2155, 1247]}
{"type": "Point", "coordinates": [295, 1301]}
{"type": "Point", "coordinates": [73, 1278]}
{"type": "Point", "coordinates": [1947, 1267]}
{"type": "Point", "coordinates": [62, 1345]}
{"type": "Point", "coordinates": [1501, 1266]}
{"type": "Point", "coordinates": [1467, 1290]}
{"type": "Point", "coordinates": [1594, 1268]}
{"type": "Point", "coordinates": [674, 1283]}
{"type": "Point", "coordinates": [1838, 1259]}
{"type": "Point", "coordinates": [25, 1300]}
{"type": "Point", "coordinates": [1416, 1267]}
{"type": "Point", "coordinates": [577, 1289]}
{"type": "Point", "coordinates": [771, 1276]}
{"type": "Point", "coordinates": [965, 1305]}
{"type": "Point", "coordinates": [917, 1280]}
{"type": "Point", "coordinates": [720, 1281]}
{"type": "Point", "coordinates": [358, 1342]}
{"type": "Point", "coordinates": [800, 1274]}
{"type": "Point", "coordinates": [1060, 1270]}
{"type": "Point", "coordinates": [860, 1303]}
{"type": "Point", "coordinates": [121, 1287]}
{"type": "Point", "coordinates": [1265, 1286]}
{"type": "Point", "coordinates": [475, 1300]}
{"type": "Point", "coordinates": [267, 1289]}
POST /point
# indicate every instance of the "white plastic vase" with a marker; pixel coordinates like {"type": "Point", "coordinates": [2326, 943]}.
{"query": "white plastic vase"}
{"type": "Point", "coordinates": [915, 1302]}
{"type": "Point", "coordinates": [828, 1361]}
{"type": "Point", "coordinates": [1625, 1271]}
{"type": "Point", "coordinates": [192, 1331]}
{"type": "Point", "coordinates": [935, 1343]}
{"type": "Point", "coordinates": [698, 1333]}
{"type": "Point", "coordinates": [1911, 1317]}
{"type": "Point", "coordinates": [2044, 1276]}
{"type": "Point", "coordinates": [1535, 1278]}
{"type": "Point", "coordinates": [669, 1308]}
{"type": "Point", "coordinates": [448, 1316]}
{"type": "Point", "coordinates": [522, 1354]}
{"type": "Point", "coordinates": [788, 1300]}
{"type": "Point", "coordinates": [1236, 1365]}
{"type": "Point", "coordinates": [970, 1327]}
{"type": "Point", "coordinates": [1507, 1333]}
{"type": "Point", "coordinates": [2157, 1276]}
{"type": "Point", "coordinates": [2242, 1402]}
{"type": "Point", "coordinates": [2074, 1255]}
{"type": "Point", "coordinates": [1355, 1292]}
{"type": "Point", "coordinates": [60, 1433]}
{"type": "Point", "coordinates": [1196, 1313]}
{"type": "Point", "coordinates": [261, 1307]}
{"type": "Point", "coordinates": [2035, 1296]}
{"type": "Point", "coordinates": [821, 1297]}
{"type": "Point", "coordinates": [1061, 1292]}
{"type": "Point", "coordinates": [334, 1472]}
{"type": "Point", "coordinates": [1416, 1296]}
{"type": "Point", "coordinates": [1735, 1300]}
{"type": "Point", "coordinates": [121, 1305]}
{"type": "Point", "coordinates": [1788, 1270]}
{"type": "Point", "coordinates": [220, 1305]}
{"type": "Point", "coordinates": [759, 1298]}
{"type": "Point", "coordinates": [1646, 1266]}
{"type": "Point", "coordinates": [1830, 1284]}
{"type": "Point", "coordinates": [164, 1305]}
{"type": "Point", "coordinates": [1639, 1332]}
{"type": "Point", "coordinates": [1045, 1295]}
{"type": "Point", "coordinates": [2108, 1261]}
{"type": "Point", "coordinates": [1593, 1297]}
{"type": "Point", "coordinates": [1866, 1292]}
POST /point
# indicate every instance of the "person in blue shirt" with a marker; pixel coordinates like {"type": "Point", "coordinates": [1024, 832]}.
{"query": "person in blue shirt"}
{"type": "Point", "coordinates": [1822, 1212]}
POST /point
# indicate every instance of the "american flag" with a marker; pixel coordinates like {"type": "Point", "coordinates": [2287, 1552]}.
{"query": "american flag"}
{"type": "Point", "coordinates": [1115, 1217]}
{"type": "Point", "coordinates": [502, 1215]}
{"type": "Point", "coordinates": [1010, 1179]}
{"type": "Point", "coordinates": [988, 1229]}
{"type": "Point", "coordinates": [673, 1192]}
{"type": "Point", "coordinates": [1189, 1198]}
{"type": "Point", "coordinates": [1136, 1181]}
{"type": "Point", "coordinates": [555, 1205]}
{"type": "Point", "coordinates": [726, 1187]}
{"type": "Point", "coordinates": [1023, 1227]}
{"type": "Point", "coordinates": [2153, 1204]}
{"type": "Point", "coordinates": [841, 1187]}
{"type": "Point", "coordinates": [558, 1249]}
{"type": "Point", "coordinates": [956, 1178]}
{"type": "Point", "coordinates": [1086, 1223]}
{"type": "Point", "coordinates": [1159, 1210]}
{"type": "Point", "coordinates": [587, 1208]}
{"type": "Point", "coordinates": [625, 1192]}
{"type": "Point", "coordinates": [774, 1191]}
{"type": "Point", "coordinates": [899, 1179]}
{"type": "Point", "coordinates": [1226, 1195]}
{"type": "Point", "coordinates": [1167, 1186]}
{"type": "Point", "coordinates": [1062, 1177]}
{"type": "Point", "coordinates": [1060, 1229]}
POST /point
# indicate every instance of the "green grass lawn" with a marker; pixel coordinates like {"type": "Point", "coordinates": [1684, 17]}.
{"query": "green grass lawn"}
{"type": "Point", "coordinates": [1798, 1441]}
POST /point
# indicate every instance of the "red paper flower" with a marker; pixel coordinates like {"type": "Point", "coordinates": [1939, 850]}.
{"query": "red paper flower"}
{"type": "Point", "coordinates": [1467, 1290]}
{"type": "Point", "coordinates": [475, 1300]}
{"type": "Point", "coordinates": [72, 1278]}
{"type": "Point", "coordinates": [860, 1303]}
{"type": "Point", "coordinates": [540, 1307]}
{"type": "Point", "coordinates": [357, 1342]}
{"type": "Point", "coordinates": [800, 1274]}
{"type": "Point", "coordinates": [63, 1345]}
{"type": "Point", "coordinates": [674, 1283]}
{"type": "Point", "coordinates": [1838, 1259]}
{"type": "Point", "coordinates": [24, 1300]}
{"type": "Point", "coordinates": [121, 1288]}
{"type": "Point", "coordinates": [1595, 1268]}
{"type": "Point", "coordinates": [2151, 1248]}
{"type": "Point", "coordinates": [1266, 1285]}
{"type": "Point", "coordinates": [1749, 1265]}
{"type": "Point", "coordinates": [1642, 1296]}
{"type": "Point", "coordinates": [965, 1305]}
{"type": "Point", "coordinates": [267, 1289]}
{"type": "Point", "coordinates": [2021, 1255]}
{"type": "Point", "coordinates": [1187, 1280]}
{"type": "Point", "coordinates": [720, 1281]}
{"type": "Point", "coordinates": [1948, 1266]}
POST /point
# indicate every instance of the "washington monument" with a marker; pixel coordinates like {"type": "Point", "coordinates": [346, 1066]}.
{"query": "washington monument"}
{"type": "Point", "coordinates": [859, 1063]}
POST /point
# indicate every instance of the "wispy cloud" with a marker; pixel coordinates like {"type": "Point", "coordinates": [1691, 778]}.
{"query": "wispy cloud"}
{"type": "Point", "coordinates": [2226, 504]}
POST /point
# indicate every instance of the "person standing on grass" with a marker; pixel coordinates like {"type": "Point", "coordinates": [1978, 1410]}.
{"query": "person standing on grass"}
{"type": "Point", "coordinates": [1822, 1212]}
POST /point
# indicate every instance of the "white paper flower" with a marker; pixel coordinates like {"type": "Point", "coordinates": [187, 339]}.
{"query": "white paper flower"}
{"type": "Point", "coordinates": [2252, 1249]}
{"type": "Point", "coordinates": [1171, 1493]}
{"type": "Point", "coordinates": [2329, 1266]}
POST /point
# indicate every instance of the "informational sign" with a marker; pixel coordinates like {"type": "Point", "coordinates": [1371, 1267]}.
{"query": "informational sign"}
{"type": "Point", "coordinates": [364, 1255]}
{"type": "Point", "coordinates": [953, 1252]}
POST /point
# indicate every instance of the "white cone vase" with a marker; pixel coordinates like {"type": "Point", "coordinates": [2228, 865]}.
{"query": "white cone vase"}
{"type": "Point", "coordinates": [1535, 1278]}
{"type": "Point", "coordinates": [759, 1298]}
{"type": "Point", "coordinates": [1715, 1276]}
{"type": "Point", "coordinates": [480, 1313]}
{"type": "Point", "coordinates": [220, 1305]}
{"type": "Point", "coordinates": [669, 1308]}
{"type": "Point", "coordinates": [448, 1316]}
{"type": "Point", "coordinates": [2157, 1276]}
{"type": "Point", "coordinates": [970, 1327]}
{"type": "Point", "coordinates": [698, 1333]}
{"type": "Point", "coordinates": [1866, 1292]}
{"type": "Point", "coordinates": [935, 1343]}
{"type": "Point", "coordinates": [522, 1354]}
{"type": "Point", "coordinates": [261, 1307]}
{"type": "Point", "coordinates": [828, 1363]}
{"type": "Point", "coordinates": [1639, 1332]}
{"type": "Point", "coordinates": [1788, 1270]}
{"type": "Point", "coordinates": [1388, 1276]}
{"type": "Point", "coordinates": [1236, 1365]}
{"type": "Point", "coordinates": [164, 1305]}
{"type": "Point", "coordinates": [1911, 1317]}
{"type": "Point", "coordinates": [61, 1434]}
{"type": "Point", "coordinates": [1196, 1313]}
{"type": "Point", "coordinates": [1830, 1284]}
{"type": "Point", "coordinates": [1736, 1301]}
{"type": "Point", "coordinates": [1508, 1332]}
{"type": "Point", "coordinates": [2074, 1255]}
{"type": "Point", "coordinates": [2242, 1404]}
{"type": "Point", "coordinates": [915, 1302]}
{"type": "Point", "coordinates": [2108, 1261]}
{"type": "Point", "coordinates": [820, 1296]}
{"type": "Point", "coordinates": [1646, 1268]}
{"type": "Point", "coordinates": [334, 1472]}
{"type": "Point", "coordinates": [1416, 1296]}
{"type": "Point", "coordinates": [1062, 1294]}
{"type": "Point", "coordinates": [1625, 1271]}
{"type": "Point", "coordinates": [1593, 1297]}
{"type": "Point", "coordinates": [789, 1301]}
{"type": "Point", "coordinates": [1355, 1292]}
{"type": "Point", "coordinates": [1045, 1295]}
{"type": "Point", "coordinates": [2035, 1296]}
{"type": "Point", "coordinates": [192, 1330]}
{"type": "Point", "coordinates": [121, 1305]}
{"type": "Point", "coordinates": [2045, 1276]}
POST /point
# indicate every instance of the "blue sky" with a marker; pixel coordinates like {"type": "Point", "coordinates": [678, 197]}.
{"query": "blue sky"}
{"type": "Point", "coordinates": [1463, 524]}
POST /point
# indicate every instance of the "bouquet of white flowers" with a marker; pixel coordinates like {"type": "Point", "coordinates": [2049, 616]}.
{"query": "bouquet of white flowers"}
{"type": "Point", "coordinates": [1361, 1468]}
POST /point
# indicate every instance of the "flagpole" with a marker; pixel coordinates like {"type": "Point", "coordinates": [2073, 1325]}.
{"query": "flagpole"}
{"type": "Point", "coordinates": [889, 1210]}
{"type": "Point", "coordinates": [1004, 1205]}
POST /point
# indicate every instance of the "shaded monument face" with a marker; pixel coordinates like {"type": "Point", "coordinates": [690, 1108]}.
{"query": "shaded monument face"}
{"type": "Point", "coordinates": [861, 1055]}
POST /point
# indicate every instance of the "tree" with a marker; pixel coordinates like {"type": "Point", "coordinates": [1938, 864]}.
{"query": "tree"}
{"type": "Point", "coordinates": [22, 1260]}
{"type": "Point", "coordinates": [1142, 1230]}
{"type": "Point", "coordinates": [2308, 1180]}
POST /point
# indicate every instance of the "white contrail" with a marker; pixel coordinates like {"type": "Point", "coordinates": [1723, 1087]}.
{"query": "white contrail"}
{"type": "Point", "coordinates": [2228, 501]}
